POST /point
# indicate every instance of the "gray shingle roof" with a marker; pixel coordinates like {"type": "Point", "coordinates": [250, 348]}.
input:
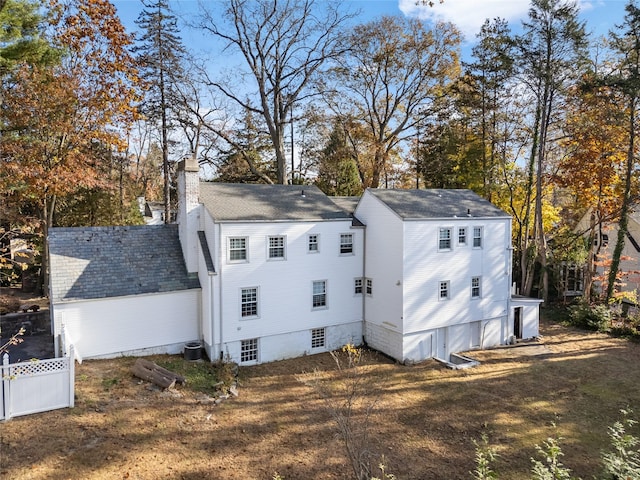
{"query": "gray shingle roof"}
{"type": "Point", "coordinates": [346, 203]}
{"type": "Point", "coordinates": [253, 202]}
{"type": "Point", "coordinates": [101, 262]}
{"type": "Point", "coordinates": [437, 203]}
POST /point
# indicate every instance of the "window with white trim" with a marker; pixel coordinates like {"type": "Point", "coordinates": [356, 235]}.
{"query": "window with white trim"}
{"type": "Point", "coordinates": [276, 247]}
{"type": "Point", "coordinates": [369, 286]}
{"type": "Point", "coordinates": [318, 336]}
{"type": "Point", "coordinates": [477, 237]}
{"type": "Point", "coordinates": [462, 235]}
{"type": "Point", "coordinates": [249, 302]}
{"type": "Point", "coordinates": [346, 243]}
{"type": "Point", "coordinates": [444, 239]}
{"type": "Point", "coordinates": [443, 293]}
{"type": "Point", "coordinates": [249, 350]}
{"type": "Point", "coordinates": [313, 243]}
{"type": "Point", "coordinates": [238, 249]}
{"type": "Point", "coordinates": [357, 286]}
{"type": "Point", "coordinates": [476, 287]}
{"type": "Point", "coordinates": [319, 299]}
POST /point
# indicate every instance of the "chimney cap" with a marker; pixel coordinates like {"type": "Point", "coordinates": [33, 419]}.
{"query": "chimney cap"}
{"type": "Point", "coordinates": [189, 164]}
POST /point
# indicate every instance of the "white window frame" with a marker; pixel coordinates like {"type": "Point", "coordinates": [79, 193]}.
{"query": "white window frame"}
{"type": "Point", "coordinates": [243, 303]}
{"type": "Point", "coordinates": [446, 239]}
{"type": "Point", "coordinates": [249, 350]}
{"type": "Point", "coordinates": [316, 243]}
{"type": "Point", "coordinates": [444, 287]}
{"type": "Point", "coordinates": [318, 338]}
{"type": "Point", "coordinates": [358, 286]}
{"type": "Point", "coordinates": [477, 237]}
{"type": "Point", "coordinates": [369, 286]}
{"type": "Point", "coordinates": [462, 235]}
{"type": "Point", "coordinates": [230, 249]}
{"type": "Point", "coordinates": [351, 251]}
{"type": "Point", "coordinates": [322, 294]}
{"type": "Point", "coordinates": [476, 287]}
{"type": "Point", "coordinates": [270, 248]}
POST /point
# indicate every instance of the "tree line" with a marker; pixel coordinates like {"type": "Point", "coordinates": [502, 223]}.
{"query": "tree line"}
{"type": "Point", "coordinates": [542, 123]}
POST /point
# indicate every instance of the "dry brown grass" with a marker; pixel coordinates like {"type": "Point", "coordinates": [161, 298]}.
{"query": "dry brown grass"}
{"type": "Point", "coordinates": [426, 420]}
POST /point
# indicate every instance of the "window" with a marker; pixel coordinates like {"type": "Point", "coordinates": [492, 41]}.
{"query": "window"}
{"type": "Point", "coordinates": [238, 249]}
{"type": "Point", "coordinates": [475, 287]}
{"type": "Point", "coordinates": [249, 302]}
{"type": "Point", "coordinates": [462, 236]}
{"type": "Point", "coordinates": [319, 294]}
{"type": "Point", "coordinates": [477, 236]}
{"type": "Point", "coordinates": [369, 286]}
{"type": "Point", "coordinates": [317, 338]}
{"type": "Point", "coordinates": [249, 350]}
{"type": "Point", "coordinates": [276, 247]}
{"type": "Point", "coordinates": [444, 242]}
{"type": "Point", "coordinates": [346, 243]}
{"type": "Point", "coordinates": [313, 243]}
{"type": "Point", "coordinates": [357, 286]}
{"type": "Point", "coordinates": [444, 291]}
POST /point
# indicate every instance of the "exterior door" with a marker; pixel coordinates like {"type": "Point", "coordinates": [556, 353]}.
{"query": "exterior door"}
{"type": "Point", "coordinates": [442, 344]}
{"type": "Point", "coordinates": [517, 322]}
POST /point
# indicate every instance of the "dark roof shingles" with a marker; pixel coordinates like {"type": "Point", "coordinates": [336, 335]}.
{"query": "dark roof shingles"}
{"type": "Point", "coordinates": [103, 262]}
{"type": "Point", "coordinates": [437, 203]}
{"type": "Point", "coordinates": [270, 203]}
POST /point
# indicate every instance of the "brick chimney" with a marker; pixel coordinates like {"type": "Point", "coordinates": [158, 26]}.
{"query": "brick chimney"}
{"type": "Point", "coordinates": [189, 210]}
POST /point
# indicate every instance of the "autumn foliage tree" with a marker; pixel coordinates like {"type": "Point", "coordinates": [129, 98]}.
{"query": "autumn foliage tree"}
{"type": "Point", "coordinates": [394, 72]}
{"type": "Point", "coordinates": [58, 116]}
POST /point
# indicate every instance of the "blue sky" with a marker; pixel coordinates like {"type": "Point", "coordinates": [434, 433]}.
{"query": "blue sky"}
{"type": "Point", "coordinates": [600, 15]}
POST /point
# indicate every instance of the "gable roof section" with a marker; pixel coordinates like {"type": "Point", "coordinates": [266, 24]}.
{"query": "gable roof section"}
{"type": "Point", "coordinates": [437, 203]}
{"type": "Point", "coordinates": [268, 203]}
{"type": "Point", "coordinates": [102, 262]}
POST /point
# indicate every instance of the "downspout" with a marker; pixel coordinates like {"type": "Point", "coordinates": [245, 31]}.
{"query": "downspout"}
{"type": "Point", "coordinates": [220, 289]}
{"type": "Point", "coordinates": [364, 282]}
{"type": "Point", "coordinates": [213, 305]}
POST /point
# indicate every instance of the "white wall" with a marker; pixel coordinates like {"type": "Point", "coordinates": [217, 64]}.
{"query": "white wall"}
{"type": "Point", "coordinates": [426, 267]}
{"type": "Point", "coordinates": [298, 343]}
{"type": "Point", "coordinates": [140, 325]}
{"type": "Point", "coordinates": [285, 313]}
{"type": "Point", "coordinates": [383, 258]}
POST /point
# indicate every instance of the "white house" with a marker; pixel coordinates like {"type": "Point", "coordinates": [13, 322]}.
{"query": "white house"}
{"type": "Point", "coordinates": [439, 262]}
{"type": "Point", "coordinates": [279, 271]}
{"type": "Point", "coordinates": [277, 265]}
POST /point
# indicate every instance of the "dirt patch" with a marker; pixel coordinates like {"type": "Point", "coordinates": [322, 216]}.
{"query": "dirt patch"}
{"type": "Point", "coordinates": [426, 419]}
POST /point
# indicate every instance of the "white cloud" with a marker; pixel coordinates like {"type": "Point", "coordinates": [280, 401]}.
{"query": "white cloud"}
{"type": "Point", "coordinates": [467, 15]}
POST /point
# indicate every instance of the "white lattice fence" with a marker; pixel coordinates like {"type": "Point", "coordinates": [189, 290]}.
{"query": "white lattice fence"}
{"type": "Point", "coordinates": [36, 386]}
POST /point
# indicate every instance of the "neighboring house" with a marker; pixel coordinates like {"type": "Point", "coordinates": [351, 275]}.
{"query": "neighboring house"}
{"type": "Point", "coordinates": [153, 212]}
{"type": "Point", "coordinates": [286, 271]}
{"type": "Point", "coordinates": [604, 242]}
{"type": "Point", "coordinates": [122, 290]}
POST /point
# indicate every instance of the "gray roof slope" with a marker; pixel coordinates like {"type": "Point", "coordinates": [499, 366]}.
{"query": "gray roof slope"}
{"type": "Point", "coordinates": [257, 202]}
{"type": "Point", "coordinates": [102, 262]}
{"type": "Point", "coordinates": [346, 203]}
{"type": "Point", "coordinates": [437, 203]}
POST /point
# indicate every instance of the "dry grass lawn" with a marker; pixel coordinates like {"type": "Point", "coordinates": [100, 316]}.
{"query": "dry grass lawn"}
{"type": "Point", "coordinates": [425, 422]}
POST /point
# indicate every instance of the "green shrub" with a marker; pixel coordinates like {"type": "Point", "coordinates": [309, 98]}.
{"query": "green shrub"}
{"type": "Point", "coordinates": [591, 316]}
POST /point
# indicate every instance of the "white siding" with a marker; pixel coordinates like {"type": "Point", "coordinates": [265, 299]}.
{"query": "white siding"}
{"type": "Point", "coordinates": [285, 313]}
{"type": "Point", "coordinates": [405, 317]}
{"type": "Point", "coordinates": [136, 325]}
{"type": "Point", "coordinates": [383, 257]}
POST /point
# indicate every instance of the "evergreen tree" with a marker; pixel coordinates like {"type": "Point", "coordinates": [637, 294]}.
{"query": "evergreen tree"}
{"type": "Point", "coordinates": [161, 54]}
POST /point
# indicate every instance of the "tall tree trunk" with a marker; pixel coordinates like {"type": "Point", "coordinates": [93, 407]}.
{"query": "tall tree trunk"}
{"type": "Point", "coordinates": [623, 223]}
